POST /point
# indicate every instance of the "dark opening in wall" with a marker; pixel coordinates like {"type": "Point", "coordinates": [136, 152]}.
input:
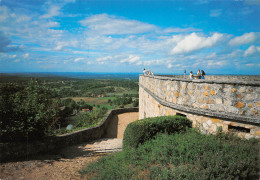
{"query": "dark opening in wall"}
{"type": "Point", "coordinates": [238, 129]}
{"type": "Point", "coordinates": [180, 114]}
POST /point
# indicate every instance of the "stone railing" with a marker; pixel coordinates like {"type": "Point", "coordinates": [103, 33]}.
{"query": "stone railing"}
{"type": "Point", "coordinates": [232, 101]}
{"type": "Point", "coordinates": [10, 151]}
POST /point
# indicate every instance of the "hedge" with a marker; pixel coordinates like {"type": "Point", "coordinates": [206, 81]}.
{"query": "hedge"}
{"type": "Point", "coordinates": [142, 130]}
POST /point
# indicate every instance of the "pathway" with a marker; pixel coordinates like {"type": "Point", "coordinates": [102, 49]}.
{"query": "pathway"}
{"type": "Point", "coordinates": [67, 163]}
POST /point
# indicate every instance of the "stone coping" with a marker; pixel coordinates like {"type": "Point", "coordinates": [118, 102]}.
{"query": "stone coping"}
{"type": "Point", "coordinates": [104, 119]}
{"type": "Point", "coordinates": [236, 82]}
{"type": "Point", "coordinates": [198, 111]}
{"type": "Point", "coordinates": [13, 150]}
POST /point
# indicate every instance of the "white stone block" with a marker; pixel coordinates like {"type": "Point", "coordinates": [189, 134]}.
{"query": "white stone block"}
{"type": "Point", "coordinates": [209, 122]}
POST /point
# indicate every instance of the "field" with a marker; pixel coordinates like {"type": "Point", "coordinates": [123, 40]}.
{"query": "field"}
{"type": "Point", "coordinates": [59, 101]}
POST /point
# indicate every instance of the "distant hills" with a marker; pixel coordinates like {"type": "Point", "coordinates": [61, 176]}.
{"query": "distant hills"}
{"type": "Point", "coordinates": [65, 76]}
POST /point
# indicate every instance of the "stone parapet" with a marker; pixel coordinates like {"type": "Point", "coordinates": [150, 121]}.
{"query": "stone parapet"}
{"type": "Point", "coordinates": [203, 112]}
{"type": "Point", "coordinates": [208, 103]}
{"type": "Point", "coordinates": [240, 98]}
{"type": "Point", "coordinates": [220, 77]}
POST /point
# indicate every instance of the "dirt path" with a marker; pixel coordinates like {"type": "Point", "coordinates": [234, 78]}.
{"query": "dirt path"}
{"type": "Point", "coordinates": [67, 163]}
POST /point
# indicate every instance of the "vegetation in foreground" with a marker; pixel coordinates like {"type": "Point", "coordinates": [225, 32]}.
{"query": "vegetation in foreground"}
{"type": "Point", "coordinates": [35, 109]}
{"type": "Point", "coordinates": [183, 155]}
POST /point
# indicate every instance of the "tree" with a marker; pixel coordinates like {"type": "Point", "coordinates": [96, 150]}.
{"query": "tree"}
{"type": "Point", "coordinates": [135, 103]}
{"type": "Point", "coordinates": [27, 112]}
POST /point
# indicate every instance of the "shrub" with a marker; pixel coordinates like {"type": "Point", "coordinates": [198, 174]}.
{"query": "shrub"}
{"type": "Point", "coordinates": [140, 131]}
{"type": "Point", "coordinates": [26, 113]}
{"type": "Point", "coordinates": [135, 103]}
{"type": "Point", "coordinates": [187, 155]}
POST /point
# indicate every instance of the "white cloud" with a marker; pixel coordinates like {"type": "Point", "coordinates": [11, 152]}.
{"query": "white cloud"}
{"type": "Point", "coordinates": [13, 56]}
{"type": "Point", "coordinates": [193, 42]}
{"type": "Point", "coordinates": [4, 13]}
{"type": "Point", "coordinates": [107, 24]}
{"type": "Point", "coordinates": [61, 44]}
{"type": "Point", "coordinates": [130, 59]}
{"type": "Point", "coordinates": [169, 66]}
{"type": "Point", "coordinates": [235, 53]}
{"type": "Point", "coordinates": [216, 63]}
{"type": "Point", "coordinates": [52, 24]}
{"type": "Point", "coordinates": [104, 58]}
{"type": "Point", "coordinates": [251, 50]}
{"type": "Point", "coordinates": [244, 39]}
{"type": "Point", "coordinates": [59, 47]}
{"type": "Point", "coordinates": [180, 30]}
{"type": "Point", "coordinates": [52, 12]}
{"type": "Point", "coordinates": [212, 55]}
{"type": "Point", "coordinates": [104, 36]}
{"type": "Point", "coordinates": [26, 55]}
{"type": "Point", "coordinates": [23, 19]}
{"type": "Point", "coordinates": [153, 62]}
{"type": "Point", "coordinates": [78, 59]}
{"type": "Point", "coordinates": [215, 12]}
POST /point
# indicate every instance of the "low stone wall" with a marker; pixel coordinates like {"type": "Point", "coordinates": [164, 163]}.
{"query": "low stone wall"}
{"type": "Point", "coordinates": [9, 151]}
{"type": "Point", "coordinates": [220, 77]}
{"type": "Point", "coordinates": [232, 105]}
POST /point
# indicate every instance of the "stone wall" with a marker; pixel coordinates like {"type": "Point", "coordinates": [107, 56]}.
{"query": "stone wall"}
{"type": "Point", "coordinates": [233, 105]}
{"type": "Point", "coordinates": [9, 151]}
{"type": "Point", "coordinates": [220, 77]}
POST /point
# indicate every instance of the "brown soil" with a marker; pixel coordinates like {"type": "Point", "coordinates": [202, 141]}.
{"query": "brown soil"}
{"type": "Point", "coordinates": [66, 163]}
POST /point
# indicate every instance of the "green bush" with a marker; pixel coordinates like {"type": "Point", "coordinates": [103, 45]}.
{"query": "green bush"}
{"type": "Point", "coordinates": [140, 131]}
{"type": "Point", "coordinates": [186, 155]}
{"type": "Point", "coordinates": [26, 112]}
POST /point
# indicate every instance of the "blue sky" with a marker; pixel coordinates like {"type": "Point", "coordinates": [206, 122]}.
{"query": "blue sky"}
{"type": "Point", "coordinates": [166, 36]}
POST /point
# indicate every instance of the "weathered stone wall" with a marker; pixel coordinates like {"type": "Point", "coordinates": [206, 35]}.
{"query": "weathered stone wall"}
{"type": "Point", "coordinates": [229, 104]}
{"type": "Point", "coordinates": [10, 151]}
{"type": "Point", "coordinates": [221, 77]}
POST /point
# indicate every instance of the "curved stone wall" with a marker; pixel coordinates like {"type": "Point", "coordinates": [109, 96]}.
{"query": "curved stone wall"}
{"type": "Point", "coordinates": [230, 101]}
{"type": "Point", "coordinates": [9, 151]}
{"type": "Point", "coordinates": [221, 77]}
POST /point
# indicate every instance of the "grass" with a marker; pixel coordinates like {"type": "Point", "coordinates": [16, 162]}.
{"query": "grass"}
{"type": "Point", "coordinates": [91, 100]}
{"type": "Point", "coordinates": [102, 101]}
{"type": "Point", "coordinates": [189, 155]}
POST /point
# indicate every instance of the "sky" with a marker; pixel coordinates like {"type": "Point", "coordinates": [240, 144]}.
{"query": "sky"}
{"type": "Point", "coordinates": [165, 36]}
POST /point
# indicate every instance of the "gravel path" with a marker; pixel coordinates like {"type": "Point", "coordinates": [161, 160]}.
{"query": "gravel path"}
{"type": "Point", "coordinates": [67, 163]}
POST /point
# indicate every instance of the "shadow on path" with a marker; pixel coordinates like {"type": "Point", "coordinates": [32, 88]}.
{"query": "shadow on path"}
{"type": "Point", "coordinates": [65, 163]}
